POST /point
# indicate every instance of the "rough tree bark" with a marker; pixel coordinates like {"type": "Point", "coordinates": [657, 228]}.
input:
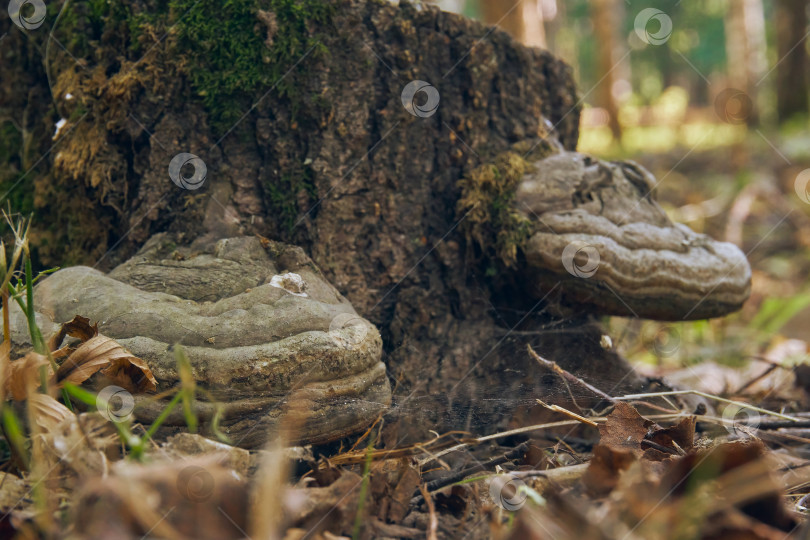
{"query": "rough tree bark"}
{"type": "Point", "coordinates": [324, 156]}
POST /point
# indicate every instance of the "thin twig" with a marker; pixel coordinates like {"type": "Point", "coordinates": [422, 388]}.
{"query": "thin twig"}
{"type": "Point", "coordinates": [707, 396]}
{"type": "Point", "coordinates": [489, 464]}
{"type": "Point", "coordinates": [433, 522]}
{"type": "Point", "coordinates": [756, 379]}
{"type": "Point", "coordinates": [570, 414]}
{"type": "Point", "coordinates": [551, 365]}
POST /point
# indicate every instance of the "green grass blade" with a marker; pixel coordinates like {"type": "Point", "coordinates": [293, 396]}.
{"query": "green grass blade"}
{"type": "Point", "coordinates": [14, 435]}
{"type": "Point", "coordinates": [358, 518]}
{"type": "Point", "coordinates": [164, 414]}
{"type": "Point", "coordinates": [188, 388]}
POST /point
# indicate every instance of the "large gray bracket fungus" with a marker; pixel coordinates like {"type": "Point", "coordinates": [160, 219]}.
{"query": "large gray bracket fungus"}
{"type": "Point", "coordinates": [600, 235]}
{"type": "Point", "coordinates": [265, 334]}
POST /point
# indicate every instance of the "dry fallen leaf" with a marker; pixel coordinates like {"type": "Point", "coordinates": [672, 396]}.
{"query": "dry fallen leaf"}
{"type": "Point", "coordinates": [79, 328]}
{"type": "Point", "coordinates": [678, 439]}
{"type": "Point", "coordinates": [24, 374]}
{"type": "Point", "coordinates": [624, 429]}
{"type": "Point", "coordinates": [196, 498]}
{"type": "Point", "coordinates": [47, 412]}
{"type": "Point", "coordinates": [604, 469]}
{"type": "Point", "coordinates": [331, 508]}
{"type": "Point", "coordinates": [99, 353]}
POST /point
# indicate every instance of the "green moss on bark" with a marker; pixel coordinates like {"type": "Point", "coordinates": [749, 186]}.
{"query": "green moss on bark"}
{"type": "Point", "coordinates": [234, 52]}
{"type": "Point", "coordinates": [487, 200]}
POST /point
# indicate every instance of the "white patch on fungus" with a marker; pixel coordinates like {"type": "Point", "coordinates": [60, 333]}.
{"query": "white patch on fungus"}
{"type": "Point", "coordinates": [59, 125]}
{"type": "Point", "coordinates": [290, 282]}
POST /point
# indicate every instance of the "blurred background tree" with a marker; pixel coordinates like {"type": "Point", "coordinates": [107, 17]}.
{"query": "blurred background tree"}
{"type": "Point", "coordinates": [735, 62]}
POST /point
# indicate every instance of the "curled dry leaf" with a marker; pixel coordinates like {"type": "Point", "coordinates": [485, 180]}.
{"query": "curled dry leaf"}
{"type": "Point", "coordinates": [660, 481]}
{"type": "Point", "coordinates": [99, 353]}
{"type": "Point", "coordinates": [331, 508]}
{"type": "Point", "coordinates": [678, 439]}
{"type": "Point", "coordinates": [79, 328]}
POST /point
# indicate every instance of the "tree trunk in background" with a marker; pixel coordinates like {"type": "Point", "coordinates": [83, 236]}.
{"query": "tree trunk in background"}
{"type": "Point", "coordinates": [745, 49]}
{"type": "Point", "coordinates": [606, 27]}
{"type": "Point", "coordinates": [791, 72]}
{"type": "Point", "coordinates": [519, 18]}
{"type": "Point", "coordinates": [553, 15]}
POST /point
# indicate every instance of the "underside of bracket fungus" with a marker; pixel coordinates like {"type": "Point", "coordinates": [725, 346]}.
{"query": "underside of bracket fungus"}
{"type": "Point", "coordinates": [600, 236]}
{"type": "Point", "coordinates": [264, 332]}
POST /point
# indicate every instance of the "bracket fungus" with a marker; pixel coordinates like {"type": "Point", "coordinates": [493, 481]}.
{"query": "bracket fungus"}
{"type": "Point", "coordinates": [258, 346]}
{"type": "Point", "coordinates": [599, 233]}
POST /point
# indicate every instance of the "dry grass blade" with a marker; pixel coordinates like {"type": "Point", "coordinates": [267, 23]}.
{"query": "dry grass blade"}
{"type": "Point", "coordinates": [266, 512]}
{"type": "Point", "coordinates": [5, 367]}
{"type": "Point", "coordinates": [739, 404]}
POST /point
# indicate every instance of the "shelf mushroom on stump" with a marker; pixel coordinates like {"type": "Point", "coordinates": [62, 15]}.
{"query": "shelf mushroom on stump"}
{"type": "Point", "coordinates": [600, 234]}
{"type": "Point", "coordinates": [265, 334]}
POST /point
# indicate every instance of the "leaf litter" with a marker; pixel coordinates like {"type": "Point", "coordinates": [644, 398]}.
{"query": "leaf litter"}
{"type": "Point", "coordinates": [667, 473]}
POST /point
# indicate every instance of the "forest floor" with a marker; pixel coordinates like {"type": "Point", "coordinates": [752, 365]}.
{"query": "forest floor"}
{"type": "Point", "coordinates": [733, 463]}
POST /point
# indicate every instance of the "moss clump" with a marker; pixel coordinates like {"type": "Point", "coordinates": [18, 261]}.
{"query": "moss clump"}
{"type": "Point", "coordinates": [487, 195]}
{"type": "Point", "coordinates": [487, 199]}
